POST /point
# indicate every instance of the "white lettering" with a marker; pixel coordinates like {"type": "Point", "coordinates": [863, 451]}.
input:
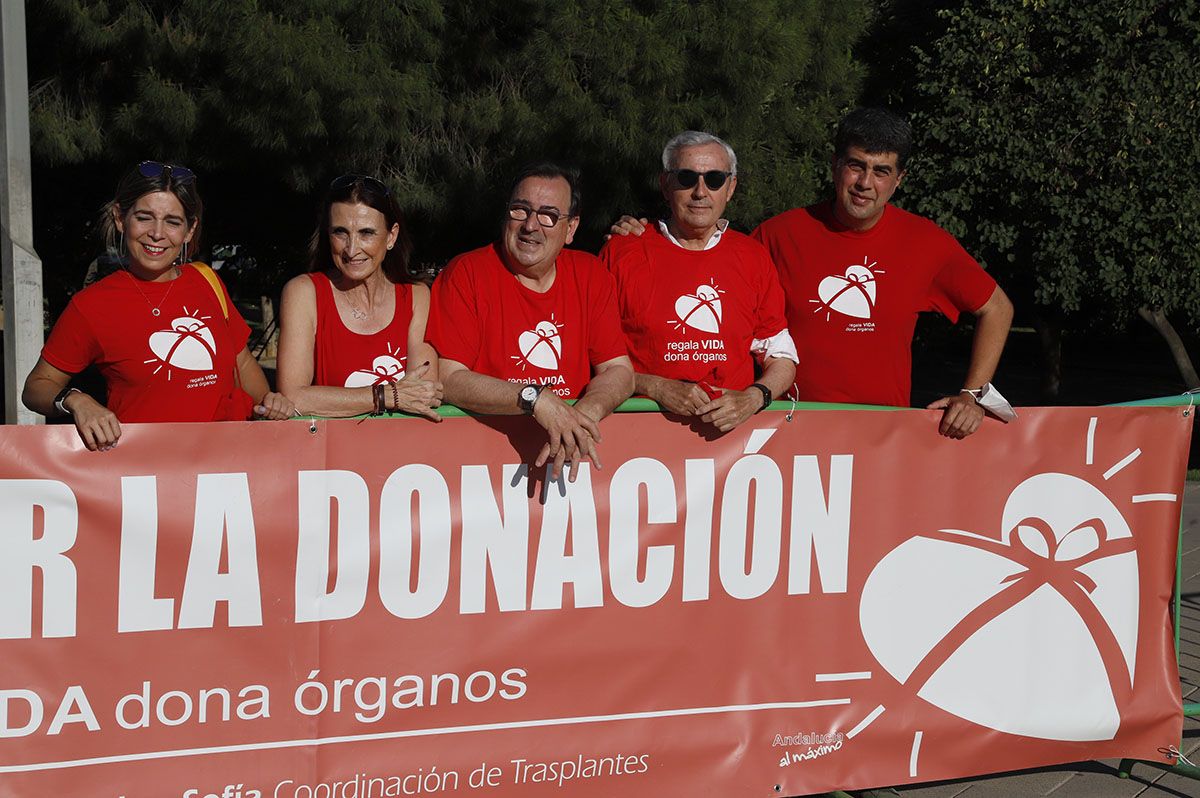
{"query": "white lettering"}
{"type": "Point", "coordinates": [623, 526]}
{"type": "Point", "coordinates": [317, 491]}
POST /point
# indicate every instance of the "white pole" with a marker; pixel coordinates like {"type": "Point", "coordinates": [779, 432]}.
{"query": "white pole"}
{"type": "Point", "coordinates": [21, 287]}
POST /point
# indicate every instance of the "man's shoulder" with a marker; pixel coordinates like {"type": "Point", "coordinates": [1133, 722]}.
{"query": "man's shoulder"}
{"type": "Point", "coordinates": [810, 217]}
{"type": "Point", "coordinates": [583, 269]}
{"type": "Point", "coordinates": [741, 242]}
{"type": "Point", "coordinates": [579, 260]}
{"type": "Point", "coordinates": [470, 265]}
{"type": "Point", "coordinates": [620, 247]}
{"type": "Point", "coordinates": [914, 224]}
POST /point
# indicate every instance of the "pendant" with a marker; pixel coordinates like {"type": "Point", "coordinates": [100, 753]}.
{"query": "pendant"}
{"type": "Point", "coordinates": [153, 311]}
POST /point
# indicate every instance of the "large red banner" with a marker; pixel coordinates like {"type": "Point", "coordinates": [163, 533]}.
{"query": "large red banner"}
{"type": "Point", "coordinates": [378, 608]}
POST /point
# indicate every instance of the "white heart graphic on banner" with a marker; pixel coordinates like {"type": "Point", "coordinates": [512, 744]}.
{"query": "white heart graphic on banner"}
{"type": "Point", "coordinates": [384, 368]}
{"type": "Point", "coordinates": [1032, 634]}
{"type": "Point", "coordinates": [702, 310]}
{"type": "Point", "coordinates": [851, 295]}
{"type": "Point", "coordinates": [188, 345]}
{"type": "Point", "coordinates": [541, 346]}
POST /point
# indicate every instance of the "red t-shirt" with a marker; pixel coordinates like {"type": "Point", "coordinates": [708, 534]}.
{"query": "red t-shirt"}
{"type": "Point", "coordinates": [177, 366]}
{"type": "Point", "coordinates": [692, 314]}
{"type": "Point", "coordinates": [852, 298]}
{"type": "Point", "coordinates": [347, 359]}
{"type": "Point", "coordinates": [482, 317]}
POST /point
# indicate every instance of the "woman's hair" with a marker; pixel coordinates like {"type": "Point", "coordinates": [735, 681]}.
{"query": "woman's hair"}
{"type": "Point", "coordinates": [146, 178]}
{"type": "Point", "coordinates": [365, 190]}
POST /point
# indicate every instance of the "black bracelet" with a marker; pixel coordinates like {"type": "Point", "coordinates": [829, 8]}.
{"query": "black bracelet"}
{"type": "Point", "coordinates": [377, 396]}
{"type": "Point", "coordinates": [766, 392]}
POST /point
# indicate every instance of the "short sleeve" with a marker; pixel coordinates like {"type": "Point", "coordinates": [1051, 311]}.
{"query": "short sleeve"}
{"type": "Point", "coordinates": [72, 346]}
{"type": "Point", "coordinates": [606, 340]}
{"type": "Point", "coordinates": [770, 318]}
{"type": "Point", "coordinates": [453, 326]}
{"type": "Point", "coordinates": [239, 331]}
{"type": "Point", "coordinates": [961, 284]}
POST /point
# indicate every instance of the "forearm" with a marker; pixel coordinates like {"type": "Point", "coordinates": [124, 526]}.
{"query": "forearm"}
{"type": "Point", "coordinates": [648, 385]}
{"type": "Point", "coordinates": [778, 375]}
{"type": "Point", "coordinates": [480, 393]}
{"type": "Point", "coordinates": [991, 332]}
{"type": "Point", "coordinates": [39, 395]}
{"type": "Point", "coordinates": [254, 382]}
{"type": "Point", "coordinates": [331, 402]}
{"type": "Point", "coordinates": [606, 390]}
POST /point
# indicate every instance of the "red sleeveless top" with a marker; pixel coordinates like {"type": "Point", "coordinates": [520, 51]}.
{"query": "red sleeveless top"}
{"type": "Point", "coordinates": [343, 358]}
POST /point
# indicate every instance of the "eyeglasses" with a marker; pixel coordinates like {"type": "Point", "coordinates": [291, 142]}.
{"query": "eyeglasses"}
{"type": "Point", "coordinates": [546, 217]}
{"type": "Point", "coordinates": [687, 178]}
{"type": "Point", "coordinates": [174, 172]}
{"type": "Point", "coordinates": [369, 183]}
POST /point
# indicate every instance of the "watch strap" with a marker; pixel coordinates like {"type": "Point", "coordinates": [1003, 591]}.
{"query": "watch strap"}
{"type": "Point", "coordinates": [526, 405]}
{"type": "Point", "coordinates": [766, 392]}
{"type": "Point", "coordinates": [62, 397]}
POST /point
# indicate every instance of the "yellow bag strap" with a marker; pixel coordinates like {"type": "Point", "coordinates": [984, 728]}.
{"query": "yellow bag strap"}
{"type": "Point", "coordinates": [208, 274]}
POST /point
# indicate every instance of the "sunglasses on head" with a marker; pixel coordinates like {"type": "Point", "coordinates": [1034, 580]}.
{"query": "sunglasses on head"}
{"type": "Point", "coordinates": [370, 183]}
{"type": "Point", "coordinates": [173, 172]}
{"type": "Point", "coordinates": [687, 178]}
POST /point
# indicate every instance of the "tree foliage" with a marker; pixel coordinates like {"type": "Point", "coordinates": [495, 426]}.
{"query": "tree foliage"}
{"type": "Point", "coordinates": [1058, 140]}
{"type": "Point", "coordinates": [268, 99]}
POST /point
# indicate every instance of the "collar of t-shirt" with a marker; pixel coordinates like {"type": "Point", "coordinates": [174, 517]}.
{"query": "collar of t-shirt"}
{"type": "Point", "coordinates": [722, 224]}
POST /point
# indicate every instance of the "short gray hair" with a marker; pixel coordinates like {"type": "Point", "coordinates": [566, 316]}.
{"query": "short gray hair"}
{"type": "Point", "coordinates": [694, 138]}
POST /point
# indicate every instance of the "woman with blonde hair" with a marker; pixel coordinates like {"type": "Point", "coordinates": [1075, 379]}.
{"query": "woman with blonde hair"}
{"type": "Point", "coordinates": [164, 333]}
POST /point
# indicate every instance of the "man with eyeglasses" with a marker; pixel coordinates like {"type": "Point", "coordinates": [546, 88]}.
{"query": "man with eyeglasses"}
{"type": "Point", "coordinates": [699, 302]}
{"type": "Point", "coordinates": [523, 324]}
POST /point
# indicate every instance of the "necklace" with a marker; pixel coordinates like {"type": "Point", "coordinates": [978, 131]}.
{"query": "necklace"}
{"type": "Point", "coordinates": [154, 309]}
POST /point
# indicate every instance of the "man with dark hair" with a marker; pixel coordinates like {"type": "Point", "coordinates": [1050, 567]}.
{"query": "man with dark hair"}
{"type": "Point", "coordinates": [522, 324]}
{"type": "Point", "coordinates": [858, 270]}
{"type": "Point", "coordinates": [699, 302]}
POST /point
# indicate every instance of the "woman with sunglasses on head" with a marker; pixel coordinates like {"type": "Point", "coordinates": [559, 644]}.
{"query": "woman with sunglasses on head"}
{"type": "Point", "coordinates": [166, 337]}
{"type": "Point", "coordinates": [352, 330]}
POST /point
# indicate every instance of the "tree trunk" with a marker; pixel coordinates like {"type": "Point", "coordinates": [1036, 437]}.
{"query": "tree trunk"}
{"type": "Point", "coordinates": [1050, 335]}
{"type": "Point", "coordinates": [1159, 321]}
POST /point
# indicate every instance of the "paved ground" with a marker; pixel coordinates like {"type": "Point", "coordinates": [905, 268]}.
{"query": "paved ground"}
{"type": "Point", "coordinates": [1099, 779]}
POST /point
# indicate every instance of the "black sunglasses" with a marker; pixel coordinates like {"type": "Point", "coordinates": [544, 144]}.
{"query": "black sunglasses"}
{"type": "Point", "coordinates": [687, 178]}
{"type": "Point", "coordinates": [174, 172]}
{"type": "Point", "coordinates": [369, 183]}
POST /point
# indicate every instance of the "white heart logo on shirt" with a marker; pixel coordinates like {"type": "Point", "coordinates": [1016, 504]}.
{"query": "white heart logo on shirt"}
{"type": "Point", "coordinates": [702, 310]}
{"type": "Point", "coordinates": [187, 345]}
{"type": "Point", "coordinates": [384, 369]}
{"type": "Point", "coordinates": [541, 346]}
{"type": "Point", "coordinates": [852, 294]}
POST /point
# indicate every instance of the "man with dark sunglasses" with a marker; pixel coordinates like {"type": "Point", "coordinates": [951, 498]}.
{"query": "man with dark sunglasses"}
{"type": "Point", "coordinates": [523, 324]}
{"type": "Point", "coordinates": [856, 272]}
{"type": "Point", "coordinates": [700, 302]}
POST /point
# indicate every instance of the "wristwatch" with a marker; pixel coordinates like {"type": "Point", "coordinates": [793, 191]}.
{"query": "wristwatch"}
{"type": "Point", "coordinates": [528, 397]}
{"type": "Point", "coordinates": [766, 392]}
{"type": "Point", "coordinates": [62, 397]}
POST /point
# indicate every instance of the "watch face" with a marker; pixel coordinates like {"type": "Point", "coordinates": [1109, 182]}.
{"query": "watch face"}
{"type": "Point", "coordinates": [528, 393]}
